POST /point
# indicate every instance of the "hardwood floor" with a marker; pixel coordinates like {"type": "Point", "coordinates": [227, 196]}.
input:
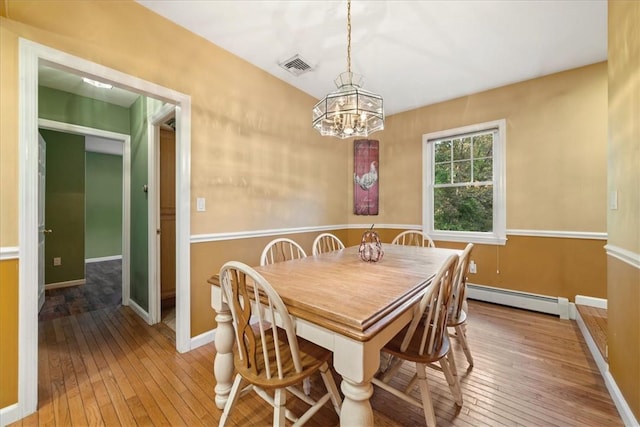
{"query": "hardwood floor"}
{"type": "Point", "coordinates": [595, 319]}
{"type": "Point", "coordinates": [108, 367]}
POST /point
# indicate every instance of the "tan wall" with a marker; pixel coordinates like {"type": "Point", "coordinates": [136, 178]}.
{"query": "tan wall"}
{"type": "Point", "coordinates": [254, 154]}
{"type": "Point", "coordinates": [8, 138]}
{"type": "Point", "coordinates": [556, 151]}
{"type": "Point", "coordinates": [207, 258]}
{"type": "Point", "coordinates": [623, 334]}
{"type": "Point", "coordinates": [558, 267]}
{"type": "Point", "coordinates": [260, 166]}
{"type": "Point", "coordinates": [556, 178]}
{"type": "Point", "coordinates": [624, 176]}
{"type": "Point", "coordinates": [8, 332]}
{"type": "Point", "coordinates": [253, 148]}
{"type": "Point", "coordinates": [624, 123]}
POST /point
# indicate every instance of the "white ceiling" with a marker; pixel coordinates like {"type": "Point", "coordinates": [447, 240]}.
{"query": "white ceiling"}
{"type": "Point", "coordinates": [414, 52]}
{"type": "Point", "coordinates": [63, 80]}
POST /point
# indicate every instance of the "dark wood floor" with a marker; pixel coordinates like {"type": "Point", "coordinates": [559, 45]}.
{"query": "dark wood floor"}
{"type": "Point", "coordinates": [108, 367]}
{"type": "Point", "coordinates": [102, 289]}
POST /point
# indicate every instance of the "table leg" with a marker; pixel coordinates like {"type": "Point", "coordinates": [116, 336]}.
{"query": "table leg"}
{"type": "Point", "coordinates": [356, 408]}
{"type": "Point", "coordinates": [223, 363]}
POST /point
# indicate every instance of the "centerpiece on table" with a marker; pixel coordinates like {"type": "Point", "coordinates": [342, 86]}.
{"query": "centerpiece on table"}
{"type": "Point", "coordinates": [370, 247]}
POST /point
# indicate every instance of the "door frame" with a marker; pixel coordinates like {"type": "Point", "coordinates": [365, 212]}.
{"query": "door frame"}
{"type": "Point", "coordinates": [29, 54]}
{"type": "Point", "coordinates": [126, 186]}
{"type": "Point", "coordinates": [153, 131]}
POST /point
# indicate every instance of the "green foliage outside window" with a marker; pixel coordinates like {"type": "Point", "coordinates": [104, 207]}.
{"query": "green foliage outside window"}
{"type": "Point", "coordinates": [463, 183]}
{"type": "Point", "coordinates": [463, 208]}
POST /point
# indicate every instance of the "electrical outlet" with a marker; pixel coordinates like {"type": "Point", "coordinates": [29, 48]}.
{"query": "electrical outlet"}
{"type": "Point", "coordinates": [57, 261]}
{"type": "Point", "coordinates": [472, 267]}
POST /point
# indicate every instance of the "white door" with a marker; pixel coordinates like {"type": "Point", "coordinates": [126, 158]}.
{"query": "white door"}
{"type": "Point", "coordinates": [42, 161]}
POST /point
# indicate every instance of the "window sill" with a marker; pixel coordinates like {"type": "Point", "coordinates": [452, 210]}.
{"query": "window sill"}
{"type": "Point", "coordinates": [479, 238]}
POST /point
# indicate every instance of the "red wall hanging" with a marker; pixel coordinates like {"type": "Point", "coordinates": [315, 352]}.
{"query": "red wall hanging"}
{"type": "Point", "coordinates": [366, 177]}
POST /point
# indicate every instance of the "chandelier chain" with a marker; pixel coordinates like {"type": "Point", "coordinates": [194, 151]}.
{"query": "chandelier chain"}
{"type": "Point", "coordinates": [349, 35]}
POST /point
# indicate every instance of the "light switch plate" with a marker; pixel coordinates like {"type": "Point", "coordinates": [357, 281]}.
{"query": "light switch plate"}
{"type": "Point", "coordinates": [200, 204]}
{"type": "Point", "coordinates": [613, 200]}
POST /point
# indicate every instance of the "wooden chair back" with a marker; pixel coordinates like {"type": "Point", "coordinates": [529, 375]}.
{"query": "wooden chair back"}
{"type": "Point", "coordinates": [459, 292]}
{"type": "Point", "coordinates": [281, 249]}
{"type": "Point", "coordinates": [413, 238]}
{"type": "Point", "coordinates": [326, 242]}
{"type": "Point", "coordinates": [430, 315]}
{"type": "Point", "coordinates": [260, 348]}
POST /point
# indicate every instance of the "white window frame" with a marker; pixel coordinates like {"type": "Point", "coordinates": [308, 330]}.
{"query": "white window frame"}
{"type": "Point", "coordinates": [496, 237]}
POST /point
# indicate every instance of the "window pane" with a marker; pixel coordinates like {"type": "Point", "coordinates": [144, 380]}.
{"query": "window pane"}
{"type": "Point", "coordinates": [462, 171]}
{"type": "Point", "coordinates": [462, 148]}
{"type": "Point", "coordinates": [483, 170]}
{"type": "Point", "coordinates": [483, 145]}
{"type": "Point", "coordinates": [443, 151]}
{"type": "Point", "coordinates": [442, 173]}
{"type": "Point", "coordinates": [463, 208]}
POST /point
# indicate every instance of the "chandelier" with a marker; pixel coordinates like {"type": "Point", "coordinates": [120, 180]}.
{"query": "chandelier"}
{"type": "Point", "coordinates": [350, 110]}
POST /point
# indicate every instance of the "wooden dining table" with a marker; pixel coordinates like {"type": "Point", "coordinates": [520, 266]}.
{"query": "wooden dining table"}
{"type": "Point", "coordinates": [344, 304]}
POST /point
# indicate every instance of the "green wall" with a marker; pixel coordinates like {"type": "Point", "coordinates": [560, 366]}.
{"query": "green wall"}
{"type": "Point", "coordinates": [69, 108]}
{"type": "Point", "coordinates": [64, 206]}
{"type": "Point", "coordinates": [139, 291]}
{"type": "Point", "coordinates": [103, 205]}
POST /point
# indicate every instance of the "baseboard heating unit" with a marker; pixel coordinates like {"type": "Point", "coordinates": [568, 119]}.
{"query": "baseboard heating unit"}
{"type": "Point", "coordinates": [534, 302]}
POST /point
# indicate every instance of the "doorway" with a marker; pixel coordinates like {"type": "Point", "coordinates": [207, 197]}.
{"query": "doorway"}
{"type": "Point", "coordinates": [162, 219]}
{"type": "Point", "coordinates": [30, 54]}
{"type": "Point", "coordinates": [167, 218]}
{"type": "Point", "coordinates": [68, 297]}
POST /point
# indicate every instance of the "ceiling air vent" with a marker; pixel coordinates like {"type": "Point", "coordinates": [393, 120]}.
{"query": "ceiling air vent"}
{"type": "Point", "coordinates": [296, 65]}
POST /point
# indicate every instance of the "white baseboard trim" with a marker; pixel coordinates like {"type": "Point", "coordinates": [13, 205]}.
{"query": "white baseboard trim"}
{"type": "Point", "coordinates": [591, 301]}
{"type": "Point", "coordinates": [203, 339]}
{"type": "Point", "coordinates": [139, 311]}
{"type": "Point", "coordinates": [66, 284]}
{"type": "Point", "coordinates": [10, 414]}
{"type": "Point", "coordinates": [541, 303]}
{"type": "Point", "coordinates": [101, 259]}
{"type": "Point", "coordinates": [624, 410]}
{"type": "Point", "coordinates": [210, 336]}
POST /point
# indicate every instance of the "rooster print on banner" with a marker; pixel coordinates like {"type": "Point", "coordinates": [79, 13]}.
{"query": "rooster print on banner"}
{"type": "Point", "coordinates": [366, 177]}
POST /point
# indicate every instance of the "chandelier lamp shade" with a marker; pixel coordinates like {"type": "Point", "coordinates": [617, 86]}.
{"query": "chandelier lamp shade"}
{"type": "Point", "coordinates": [349, 111]}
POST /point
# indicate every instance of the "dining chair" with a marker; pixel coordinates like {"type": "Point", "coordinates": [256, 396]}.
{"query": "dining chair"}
{"type": "Point", "coordinates": [281, 249]}
{"type": "Point", "coordinates": [270, 360]}
{"type": "Point", "coordinates": [326, 242]}
{"type": "Point", "coordinates": [458, 312]}
{"type": "Point", "coordinates": [413, 238]}
{"type": "Point", "coordinates": [406, 238]}
{"type": "Point", "coordinates": [425, 341]}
